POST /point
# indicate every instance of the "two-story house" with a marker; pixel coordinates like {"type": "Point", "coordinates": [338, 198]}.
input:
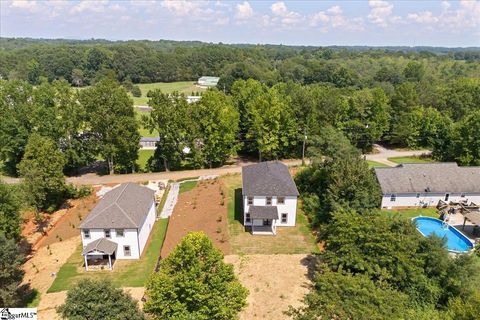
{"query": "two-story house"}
{"type": "Point", "coordinates": [269, 197]}
{"type": "Point", "coordinates": [119, 225]}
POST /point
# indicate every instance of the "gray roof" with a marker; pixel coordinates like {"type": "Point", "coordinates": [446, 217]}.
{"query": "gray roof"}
{"type": "Point", "coordinates": [102, 245]}
{"type": "Point", "coordinates": [125, 206]}
{"type": "Point", "coordinates": [431, 177]}
{"type": "Point", "coordinates": [263, 212]}
{"type": "Point", "coordinates": [270, 178]}
{"type": "Point", "coordinates": [149, 139]}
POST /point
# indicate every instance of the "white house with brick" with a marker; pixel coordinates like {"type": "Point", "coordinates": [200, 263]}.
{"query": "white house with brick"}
{"type": "Point", "coordinates": [269, 197]}
{"type": "Point", "coordinates": [119, 225]}
{"type": "Point", "coordinates": [423, 185]}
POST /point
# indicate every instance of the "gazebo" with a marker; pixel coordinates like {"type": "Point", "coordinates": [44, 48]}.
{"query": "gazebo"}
{"type": "Point", "coordinates": [471, 213]}
{"type": "Point", "coordinates": [98, 250]}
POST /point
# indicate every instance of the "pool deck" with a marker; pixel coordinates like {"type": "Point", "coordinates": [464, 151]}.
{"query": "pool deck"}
{"type": "Point", "coordinates": [456, 220]}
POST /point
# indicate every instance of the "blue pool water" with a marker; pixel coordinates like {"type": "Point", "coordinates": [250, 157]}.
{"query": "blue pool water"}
{"type": "Point", "coordinates": [455, 240]}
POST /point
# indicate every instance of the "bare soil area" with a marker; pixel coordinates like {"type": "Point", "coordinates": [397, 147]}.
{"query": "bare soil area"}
{"type": "Point", "coordinates": [275, 282]}
{"type": "Point", "coordinates": [201, 209]}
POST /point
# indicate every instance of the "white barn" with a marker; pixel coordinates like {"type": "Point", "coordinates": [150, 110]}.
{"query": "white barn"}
{"type": "Point", "coordinates": [119, 225]}
{"type": "Point", "coordinates": [423, 185]}
{"type": "Point", "coordinates": [269, 197]}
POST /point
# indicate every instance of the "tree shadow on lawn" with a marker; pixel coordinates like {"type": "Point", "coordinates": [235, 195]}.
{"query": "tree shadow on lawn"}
{"type": "Point", "coordinates": [238, 214]}
{"type": "Point", "coordinates": [310, 262]}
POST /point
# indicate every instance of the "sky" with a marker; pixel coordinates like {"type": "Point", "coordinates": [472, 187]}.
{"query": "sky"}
{"type": "Point", "coordinates": [319, 23]}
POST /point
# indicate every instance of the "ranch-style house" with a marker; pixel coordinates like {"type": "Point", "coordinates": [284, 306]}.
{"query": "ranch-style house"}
{"type": "Point", "coordinates": [423, 185]}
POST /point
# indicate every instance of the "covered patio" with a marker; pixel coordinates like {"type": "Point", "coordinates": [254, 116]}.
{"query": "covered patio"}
{"type": "Point", "coordinates": [99, 254]}
{"type": "Point", "coordinates": [264, 220]}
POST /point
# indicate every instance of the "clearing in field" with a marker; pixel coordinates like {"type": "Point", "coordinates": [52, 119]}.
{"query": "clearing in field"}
{"type": "Point", "coordinates": [201, 207]}
{"type": "Point", "coordinates": [288, 240]}
{"type": "Point", "coordinates": [126, 273]}
{"type": "Point", "coordinates": [274, 282]}
{"type": "Point", "coordinates": [185, 87]}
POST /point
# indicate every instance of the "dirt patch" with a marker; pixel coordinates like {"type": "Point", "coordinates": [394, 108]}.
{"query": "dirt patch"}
{"type": "Point", "coordinates": [51, 301]}
{"type": "Point", "coordinates": [58, 226]}
{"type": "Point", "coordinates": [200, 209]}
{"type": "Point", "coordinates": [274, 282]}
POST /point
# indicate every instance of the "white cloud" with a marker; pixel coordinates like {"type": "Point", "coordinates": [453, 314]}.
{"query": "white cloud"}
{"type": "Point", "coordinates": [381, 13]}
{"type": "Point", "coordinates": [86, 5]}
{"type": "Point", "coordinates": [24, 5]}
{"type": "Point", "coordinates": [244, 10]}
{"type": "Point", "coordinates": [286, 17]}
{"type": "Point", "coordinates": [423, 17]}
{"type": "Point", "coordinates": [334, 18]}
{"type": "Point", "coordinates": [182, 7]}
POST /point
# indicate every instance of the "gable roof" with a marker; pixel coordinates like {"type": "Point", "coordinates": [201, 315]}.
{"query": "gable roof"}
{"type": "Point", "coordinates": [102, 245]}
{"type": "Point", "coordinates": [125, 206]}
{"type": "Point", "coordinates": [270, 178]}
{"type": "Point", "coordinates": [431, 177]}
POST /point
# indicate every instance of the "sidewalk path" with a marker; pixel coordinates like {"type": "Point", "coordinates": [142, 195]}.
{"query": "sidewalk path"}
{"type": "Point", "coordinates": [172, 198]}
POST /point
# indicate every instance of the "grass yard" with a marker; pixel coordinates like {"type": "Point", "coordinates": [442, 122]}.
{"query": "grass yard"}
{"type": "Point", "coordinates": [133, 273]}
{"type": "Point", "coordinates": [187, 186]}
{"type": "Point", "coordinates": [374, 164]}
{"type": "Point", "coordinates": [288, 240]}
{"type": "Point", "coordinates": [412, 213]}
{"type": "Point", "coordinates": [143, 156]}
{"type": "Point", "coordinates": [400, 160]}
{"type": "Point", "coordinates": [186, 87]}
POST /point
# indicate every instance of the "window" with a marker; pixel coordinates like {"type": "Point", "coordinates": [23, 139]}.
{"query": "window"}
{"type": "Point", "coordinates": [393, 198]}
{"type": "Point", "coordinates": [269, 201]}
{"type": "Point", "coordinates": [462, 195]}
{"type": "Point", "coordinates": [126, 251]}
{"type": "Point", "coordinates": [247, 218]}
{"type": "Point", "coordinates": [107, 233]}
{"type": "Point", "coordinates": [447, 195]}
{"type": "Point", "coordinates": [281, 200]}
{"type": "Point", "coordinates": [418, 195]}
{"type": "Point", "coordinates": [86, 233]}
{"type": "Point", "coordinates": [120, 232]}
{"type": "Point", "coordinates": [284, 217]}
{"type": "Point", "coordinates": [250, 201]}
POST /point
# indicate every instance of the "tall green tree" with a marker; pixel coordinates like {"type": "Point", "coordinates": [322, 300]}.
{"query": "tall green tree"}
{"type": "Point", "coordinates": [11, 272]}
{"type": "Point", "coordinates": [9, 211]}
{"type": "Point", "coordinates": [42, 171]}
{"type": "Point", "coordinates": [111, 117]}
{"type": "Point", "coordinates": [217, 127]}
{"type": "Point", "coordinates": [99, 299]}
{"type": "Point", "coordinates": [194, 283]}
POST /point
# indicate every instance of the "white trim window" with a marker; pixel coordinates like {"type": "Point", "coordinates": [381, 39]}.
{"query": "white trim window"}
{"type": "Point", "coordinates": [120, 233]}
{"type": "Point", "coordinates": [462, 195]}
{"type": "Point", "coordinates": [106, 233]}
{"type": "Point", "coordinates": [250, 201]}
{"type": "Point", "coordinates": [268, 201]}
{"type": "Point", "coordinates": [126, 251]}
{"type": "Point", "coordinates": [280, 200]}
{"type": "Point", "coordinates": [393, 197]}
{"type": "Point", "coordinates": [447, 196]}
{"type": "Point", "coordinates": [247, 218]}
{"type": "Point", "coordinates": [284, 217]}
{"type": "Point", "coordinates": [86, 234]}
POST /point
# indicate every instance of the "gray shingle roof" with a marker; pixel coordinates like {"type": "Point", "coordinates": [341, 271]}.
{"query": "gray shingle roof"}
{"type": "Point", "coordinates": [125, 206]}
{"type": "Point", "coordinates": [103, 245]}
{"type": "Point", "coordinates": [263, 212]}
{"type": "Point", "coordinates": [432, 177]}
{"type": "Point", "coordinates": [270, 178]}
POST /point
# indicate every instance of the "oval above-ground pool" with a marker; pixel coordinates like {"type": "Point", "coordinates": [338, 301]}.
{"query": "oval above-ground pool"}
{"type": "Point", "coordinates": [455, 240]}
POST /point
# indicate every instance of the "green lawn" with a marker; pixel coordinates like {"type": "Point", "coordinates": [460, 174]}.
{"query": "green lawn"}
{"type": "Point", "coordinates": [288, 240]}
{"type": "Point", "coordinates": [143, 156]}
{"type": "Point", "coordinates": [187, 186]}
{"type": "Point", "coordinates": [374, 164]}
{"type": "Point", "coordinates": [133, 273]}
{"type": "Point", "coordinates": [186, 87]}
{"type": "Point", "coordinates": [144, 132]}
{"type": "Point", "coordinates": [411, 160]}
{"type": "Point", "coordinates": [412, 213]}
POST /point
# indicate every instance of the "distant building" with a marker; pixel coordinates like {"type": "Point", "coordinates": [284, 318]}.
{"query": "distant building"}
{"type": "Point", "coordinates": [208, 81]}
{"type": "Point", "coordinates": [192, 99]}
{"type": "Point", "coordinates": [423, 185]}
{"type": "Point", "coordinates": [149, 143]}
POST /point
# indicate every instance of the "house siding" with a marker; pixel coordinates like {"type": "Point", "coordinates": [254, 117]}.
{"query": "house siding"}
{"type": "Point", "coordinates": [425, 199]}
{"type": "Point", "coordinates": [130, 238]}
{"type": "Point", "coordinates": [146, 227]}
{"type": "Point", "coordinates": [290, 207]}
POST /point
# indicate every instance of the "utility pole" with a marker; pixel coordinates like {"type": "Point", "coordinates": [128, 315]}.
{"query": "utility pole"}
{"type": "Point", "coordinates": [304, 143]}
